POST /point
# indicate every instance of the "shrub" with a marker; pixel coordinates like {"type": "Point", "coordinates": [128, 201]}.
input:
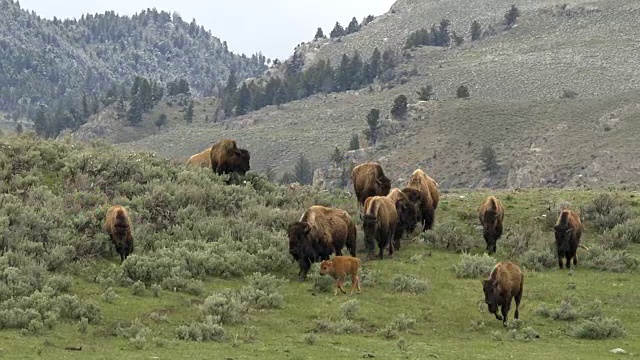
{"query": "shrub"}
{"type": "Point", "coordinates": [109, 295]}
{"type": "Point", "coordinates": [568, 94]}
{"type": "Point", "coordinates": [225, 308]}
{"type": "Point", "coordinates": [538, 259]}
{"type": "Point", "coordinates": [83, 325]}
{"type": "Point", "coordinates": [310, 338]}
{"type": "Point", "coordinates": [462, 92]}
{"type": "Point", "coordinates": [156, 290]}
{"type": "Point", "coordinates": [201, 331]}
{"type": "Point", "coordinates": [350, 308]}
{"type": "Point", "coordinates": [605, 212]}
{"type": "Point", "coordinates": [569, 311]}
{"type": "Point", "coordinates": [453, 236]}
{"type": "Point", "coordinates": [608, 260]}
{"type": "Point", "coordinates": [598, 328]}
{"type": "Point", "coordinates": [408, 284]}
{"type": "Point", "coordinates": [136, 329]}
{"type": "Point", "coordinates": [370, 278]}
{"type": "Point", "coordinates": [474, 266]}
{"type": "Point", "coordinates": [344, 326]}
{"type": "Point", "coordinates": [138, 288]}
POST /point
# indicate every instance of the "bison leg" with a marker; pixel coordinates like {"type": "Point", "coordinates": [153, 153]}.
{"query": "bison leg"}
{"type": "Point", "coordinates": [568, 257]}
{"type": "Point", "coordinates": [341, 283]}
{"type": "Point", "coordinates": [560, 258]}
{"type": "Point", "coordinates": [505, 311]}
{"type": "Point", "coordinates": [518, 298]}
{"type": "Point", "coordinates": [498, 316]}
{"type": "Point", "coordinates": [305, 265]}
{"type": "Point", "coordinates": [575, 260]}
{"type": "Point", "coordinates": [354, 283]}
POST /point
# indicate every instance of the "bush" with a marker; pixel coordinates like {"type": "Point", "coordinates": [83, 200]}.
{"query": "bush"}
{"type": "Point", "coordinates": [109, 295]}
{"type": "Point", "coordinates": [136, 329]}
{"type": "Point", "coordinates": [453, 236]}
{"type": "Point", "coordinates": [201, 331]}
{"type": "Point", "coordinates": [408, 284]}
{"type": "Point", "coordinates": [608, 260]}
{"type": "Point", "coordinates": [598, 328]}
{"type": "Point", "coordinates": [462, 92]}
{"type": "Point", "coordinates": [569, 311]}
{"type": "Point", "coordinates": [370, 278]}
{"type": "Point", "coordinates": [310, 338]}
{"type": "Point", "coordinates": [138, 288]}
{"type": "Point", "coordinates": [350, 308]}
{"type": "Point", "coordinates": [344, 326]}
{"type": "Point", "coordinates": [474, 266]}
{"type": "Point", "coordinates": [606, 212]}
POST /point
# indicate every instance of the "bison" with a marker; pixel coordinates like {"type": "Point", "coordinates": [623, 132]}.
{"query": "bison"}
{"type": "Point", "coordinates": [491, 215]}
{"type": "Point", "coordinates": [369, 180]}
{"type": "Point", "coordinates": [201, 159]}
{"type": "Point", "coordinates": [379, 223]}
{"type": "Point", "coordinates": [568, 230]}
{"type": "Point", "coordinates": [227, 158]}
{"type": "Point", "coordinates": [320, 232]}
{"type": "Point", "coordinates": [338, 268]}
{"type": "Point", "coordinates": [505, 283]}
{"type": "Point", "coordinates": [407, 215]}
{"type": "Point", "coordinates": [423, 192]}
{"type": "Point", "coordinates": [118, 226]}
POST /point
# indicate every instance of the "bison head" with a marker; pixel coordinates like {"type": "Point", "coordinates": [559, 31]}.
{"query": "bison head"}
{"type": "Point", "coordinates": [490, 295]}
{"type": "Point", "coordinates": [491, 222]}
{"type": "Point", "coordinates": [325, 267]}
{"type": "Point", "coordinates": [563, 236]}
{"type": "Point", "coordinates": [384, 185]}
{"type": "Point", "coordinates": [408, 214]}
{"type": "Point", "coordinates": [298, 233]}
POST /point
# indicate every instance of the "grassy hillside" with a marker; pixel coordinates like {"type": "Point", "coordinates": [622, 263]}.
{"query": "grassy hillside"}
{"type": "Point", "coordinates": [211, 273]}
{"type": "Point", "coordinates": [515, 79]}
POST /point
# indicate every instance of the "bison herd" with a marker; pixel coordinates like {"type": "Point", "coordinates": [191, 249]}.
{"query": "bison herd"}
{"type": "Point", "coordinates": [387, 215]}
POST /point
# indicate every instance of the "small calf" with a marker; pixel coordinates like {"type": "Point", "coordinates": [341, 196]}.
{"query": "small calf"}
{"type": "Point", "coordinates": [338, 268]}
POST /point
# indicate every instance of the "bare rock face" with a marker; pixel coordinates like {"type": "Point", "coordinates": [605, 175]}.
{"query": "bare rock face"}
{"type": "Point", "coordinates": [519, 178]}
{"type": "Point", "coordinates": [327, 178]}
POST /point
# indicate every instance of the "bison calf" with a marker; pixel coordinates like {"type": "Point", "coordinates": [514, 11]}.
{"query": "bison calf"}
{"type": "Point", "coordinates": [118, 226]}
{"type": "Point", "coordinates": [568, 230]}
{"type": "Point", "coordinates": [505, 283]}
{"type": "Point", "coordinates": [338, 268]}
{"type": "Point", "coordinates": [491, 214]}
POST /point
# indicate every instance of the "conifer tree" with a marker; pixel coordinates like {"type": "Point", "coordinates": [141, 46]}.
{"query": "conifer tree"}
{"type": "Point", "coordinates": [476, 30]}
{"type": "Point", "coordinates": [511, 16]}
{"type": "Point", "coordinates": [243, 100]}
{"type": "Point", "coordinates": [373, 120]}
{"type": "Point", "coordinates": [399, 108]}
{"type": "Point", "coordinates": [319, 34]}
{"type": "Point", "coordinates": [337, 31]}
{"type": "Point", "coordinates": [188, 114]}
{"type": "Point", "coordinates": [353, 26]}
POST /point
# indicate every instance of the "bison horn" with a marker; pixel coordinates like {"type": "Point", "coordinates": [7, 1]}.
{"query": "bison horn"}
{"type": "Point", "coordinates": [569, 229]}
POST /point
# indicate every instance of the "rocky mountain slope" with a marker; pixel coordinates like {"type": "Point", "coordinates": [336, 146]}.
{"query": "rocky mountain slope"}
{"type": "Point", "coordinates": [59, 61]}
{"type": "Point", "coordinates": [586, 50]}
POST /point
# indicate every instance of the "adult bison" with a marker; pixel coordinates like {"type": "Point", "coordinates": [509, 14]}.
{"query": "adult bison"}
{"type": "Point", "coordinates": [201, 159]}
{"type": "Point", "coordinates": [491, 215]}
{"type": "Point", "coordinates": [369, 180]}
{"type": "Point", "coordinates": [505, 283]}
{"type": "Point", "coordinates": [118, 226]}
{"type": "Point", "coordinates": [407, 215]}
{"type": "Point", "coordinates": [227, 158]}
{"type": "Point", "coordinates": [568, 230]}
{"type": "Point", "coordinates": [320, 232]}
{"type": "Point", "coordinates": [422, 190]}
{"type": "Point", "coordinates": [379, 224]}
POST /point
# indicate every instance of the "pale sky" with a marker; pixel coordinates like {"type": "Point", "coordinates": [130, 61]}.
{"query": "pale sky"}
{"type": "Point", "coordinates": [274, 27]}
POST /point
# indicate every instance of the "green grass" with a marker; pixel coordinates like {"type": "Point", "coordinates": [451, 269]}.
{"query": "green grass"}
{"type": "Point", "coordinates": [181, 214]}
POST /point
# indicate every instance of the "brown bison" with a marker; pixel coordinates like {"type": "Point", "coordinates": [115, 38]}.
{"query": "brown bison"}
{"type": "Point", "coordinates": [227, 158]}
{"type": "Point", "coordinates": [201, 159]}
{"type": "Point", "coordinates": [379, 224]}
{"type": "Point", "coordinates": [338, 268]}
{"type": "Point", "coordinates": [423, 192]}
{"type": "Point", "coordinates": [568, 230]}
{"type": "Point", "coordinates": [407, 215]}
{"type": "Point", "coordinates": [505, 283]}
{"type": "Point", "coordinates": [491, 215]}
{"type": "Point", "coordinates": [118, 226]}
{"type": "Point", "coordinates": [369, 180]}
{"type": "Point", "coordinates": [320, 232]}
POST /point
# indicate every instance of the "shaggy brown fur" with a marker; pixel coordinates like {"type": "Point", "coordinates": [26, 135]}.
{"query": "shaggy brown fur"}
{"type": "Point", "coordinates": [407, 215]}
{"type": "Point", "coordinates": [369, 180]}
{"type": "Point", "coordinates": [491, 215]}
{"type": "Point", "coordinates": [201, 159]}
{"type": "Point", "coordinates": [118, 226]}
{"type": "Point", "coordinates": [338, 268]}
{"type": "Point", "coordinates": [320, 232]}
{"type": "Point", "coordinates": [227, 158]}
{"type": "Point", "coordinates": [568, 230]}
{"type": "Point", "coordinates": [423, 192]}
{"type": "Point", "coordinates": [505, 283]}
{"type": "Point", "coordinates": [379, 223]}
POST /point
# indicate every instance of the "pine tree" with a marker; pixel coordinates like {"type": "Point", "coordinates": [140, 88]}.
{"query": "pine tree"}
{"type": "Point", "coordinates": [511, 16]}
{"type": "Point", "coordinates": [319, 34]}
{"type": "Point", "coordinates": [188, 114]}
{"type": "Point", "coordinates": [374, 67]}
{"type": "Point", "coordinates": [355, 71]}
{"type": "Point", "coordinates": [462, 92]}
{"type": "Point", "coordinates": [338, 31]}
{"type": "Point", "coordinates": [476, 30]}
{"type": "Point", "coordinates": [281, 96]}
{"type": "Point", "coordinates": [444, 39]}
{"type": "Point", "coordinates": [161, 120]}
{"type": "Point", "coordinates": [373, 120]}
{"type": "Point", "coordinates": [303, 172]}
{"type": "Point", "coordinates": [425, 93]}
{"type": "Point", "coordinates": [343, 75]}
{"type": "Point", "coordinates": [243, 100]}
{"type": "Point", "coordinates": [85, 106]}
{"type": "Point", "coordinates": [354, 143]}
{"type": "Point", "coordinates": [353, 26]}
{"type": "Point", "coordinates": [134, 114]}
{"type": "Point", "coordinates": [40, 123]}
{"type": "Point", "coordinates": [120, 109]}
{"type": "Point", "coordinates": [337, 157]}
{"type": "Point", "coordinates": [19, 129]}
{"type": "Point", "coordinates": [457, 39]}
{"type": "Point", "coordinates": [399, 108]}
{"type": "Point", "coordinates": [388, 60]}
{"type": "Point", "coordinates": [489, 159]}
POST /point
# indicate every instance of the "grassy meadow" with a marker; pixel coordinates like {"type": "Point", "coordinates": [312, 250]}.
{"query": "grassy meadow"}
{"type": "Point", "coordinates": [211, 277]}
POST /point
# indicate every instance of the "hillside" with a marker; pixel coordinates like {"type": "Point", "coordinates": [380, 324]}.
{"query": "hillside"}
{"type": "Point", "coordinates": [211, 272]}
{"type": "Point", "coordinates": [59, 61]}
{"type": "Point", "coordinates": [515, 77]}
